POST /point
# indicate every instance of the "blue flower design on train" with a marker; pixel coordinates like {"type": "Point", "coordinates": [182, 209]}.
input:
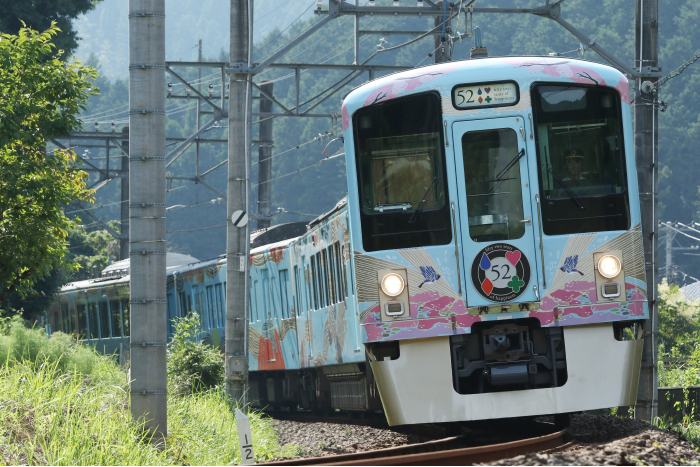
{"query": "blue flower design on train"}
{"type": "Point", "coordinates": [429, 274]}
{"type": "Point", "coordinates": [570, 265]}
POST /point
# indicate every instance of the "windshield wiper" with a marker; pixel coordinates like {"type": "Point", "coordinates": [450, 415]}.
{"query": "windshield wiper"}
{"type": "Point", "coordinates": [419, 208]}
{"type": "Point", "coordinates": [571, 194]}
{"type": "Point", "coordinates": [501, 175]}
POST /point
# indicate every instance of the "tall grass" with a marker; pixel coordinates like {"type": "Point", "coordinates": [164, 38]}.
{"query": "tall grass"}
{"type": "Point", "coordinates": [61, 403]}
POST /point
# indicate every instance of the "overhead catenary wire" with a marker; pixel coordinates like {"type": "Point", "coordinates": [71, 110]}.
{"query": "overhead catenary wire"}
{"type": "Point", "coordinates": [302, 169]}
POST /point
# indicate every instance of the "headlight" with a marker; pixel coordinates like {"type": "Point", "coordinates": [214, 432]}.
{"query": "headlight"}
{"type": "Point", "coordinates": [393, 284]}
{"type": "Point", "coordinates": [609, 266]}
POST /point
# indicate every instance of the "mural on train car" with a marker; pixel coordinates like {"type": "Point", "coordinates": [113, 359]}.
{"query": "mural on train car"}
{"type": "Point", "coordinates": [436, 309]}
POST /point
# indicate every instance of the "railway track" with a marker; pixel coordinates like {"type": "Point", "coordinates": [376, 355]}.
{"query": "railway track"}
{"type": "Point", "coordinates": [437, 452]}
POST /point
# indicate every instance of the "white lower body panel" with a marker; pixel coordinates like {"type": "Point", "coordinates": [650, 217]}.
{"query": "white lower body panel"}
{"type": "Point", "coordinates": [417, 387]}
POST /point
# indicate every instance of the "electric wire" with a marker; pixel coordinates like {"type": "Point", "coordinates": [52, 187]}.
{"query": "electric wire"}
{"type": "Point", "coordinates": [303, 168]}
{"type": "Point", "coordinates": [289, 26]}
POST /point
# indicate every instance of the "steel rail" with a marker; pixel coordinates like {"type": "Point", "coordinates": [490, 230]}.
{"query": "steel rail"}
{"type": "Point", "coordinates": [437, 454]}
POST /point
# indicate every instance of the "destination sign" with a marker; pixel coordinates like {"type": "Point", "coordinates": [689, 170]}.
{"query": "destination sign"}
{"type": "Point", "coordinates": [485, 95]}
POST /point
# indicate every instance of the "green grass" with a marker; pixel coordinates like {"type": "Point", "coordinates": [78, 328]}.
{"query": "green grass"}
{"type": "Point", "coordinates": [72, 408]}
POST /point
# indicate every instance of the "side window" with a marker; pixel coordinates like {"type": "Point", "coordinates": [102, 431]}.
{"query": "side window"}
{"type": "Point", "coordinates": [275, 296]}
{"type": "Point", "coordinates": [331, 275]}
{"type": "Point", "coordinates": [210, 305]}
{"type": "Point", "coordinates": [104, 320]}
{"type": "Point", "coordinates": [93, 331]}
{"type": "Point", "coordinates": [313, 278]}
{"type": "Point", "coordinates": [202, 309]}
{"type": "Point", "coordinates": [64, 318]}
{"type": "Point", "coordinates": [297, 290]}
{"type": "Point", "coordinates": [183, 304]}
{"type": "Point", "coordinates": [82, 323]}
{"type": "Point", "coordinates": [126, 314]}
{"type": "Point", "coordinates": [253, 301]}
{"type": "Point", "coordinates": [189, 304]}
{"type": "Point", "coordinates": [284, 289]}
{"type": "Point", "coordinates": [116, 318]}
{"type": "Point", "coordinates": [219, 304]}
{"type": "Point", "coordinates": [340, 264]}
{"type": "Point", "coordinates": [265, 294]}
{"type": "Point", "coordinates": [171, 313]}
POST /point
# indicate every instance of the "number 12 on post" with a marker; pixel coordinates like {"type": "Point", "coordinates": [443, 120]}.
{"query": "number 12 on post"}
{"type": "Point", "coordinates": [244, 438]}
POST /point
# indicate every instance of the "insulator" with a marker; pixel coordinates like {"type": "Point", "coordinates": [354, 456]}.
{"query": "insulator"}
{"type": "Point", "coordinates": [420, 3]}
{"type": "Point", "coordinates": [211, 90]}
{"type": "Point", "coordinates": [97, 127]}
{"type": "Point", "coordinates": [189, 91]}
{"type": "Point", "coordinates": [114, 127]}
{"type": "Point", "coordinates": [396, 3]}
{"type": "Point", "coordinates": [319, 4]}
{"type": "Point", "coordinates": [371, 3]}
{"type": "Point", "coordinates": [170, 89]}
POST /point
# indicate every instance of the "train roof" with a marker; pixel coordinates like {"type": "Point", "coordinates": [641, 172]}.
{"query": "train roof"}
{"type": "Point", "coordinates": [269, 246]}
{"type": "Point", "coordinates": [442, 77]}
{"type": "Point", "coordinates": [338, 206]}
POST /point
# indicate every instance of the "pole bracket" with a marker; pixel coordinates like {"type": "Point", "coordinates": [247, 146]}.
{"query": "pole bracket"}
{"type": "Point", "coordinates": [143, 205]}
{"type": "Point", "coordinates": [149, 392]}
{"type": "Point", "coordinates": [146, 111]}
{"type": "Point", "coordinates": [149, 300]}
{"type": "Point", "coordinates": [148, 252]}
{"type": "Point", "coordinates": [138, 14]}
{"type": "Point", "coordinates": [148, 344]}
{"type": "Point", "coordinates": [146, 158]}
{"type": "Point", "coordinates": [145, 65]}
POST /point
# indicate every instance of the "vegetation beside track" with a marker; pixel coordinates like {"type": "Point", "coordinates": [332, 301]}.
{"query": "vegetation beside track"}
{"type": "Point", "coordinates": [61, 403]}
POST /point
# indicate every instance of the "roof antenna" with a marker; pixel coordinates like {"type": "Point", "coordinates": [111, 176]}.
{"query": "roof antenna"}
{"type": "Point", "coordinates": [478, 51]}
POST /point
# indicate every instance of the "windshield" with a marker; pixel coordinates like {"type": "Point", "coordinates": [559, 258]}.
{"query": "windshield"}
{"type": "Point", "coordinates": [401, 173]}
{"type": "Point", "coordinates": [581, 159]}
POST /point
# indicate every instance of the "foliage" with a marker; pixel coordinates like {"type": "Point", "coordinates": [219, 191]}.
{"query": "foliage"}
{"type": "Point", "coordinates": [20, 345]}
{"type": "Point", "coordinates": [91, 251]}
{"type": "Point", "coordinates": [72, 408]}
{"type": "Point", "coordinates": [42, 97]}
{"type": "Point", "coordinates": [42, 14]}
{"type": "Point", "coordinates": [679, 338]}
{"type": "Point", "coordinates": [193, 366]}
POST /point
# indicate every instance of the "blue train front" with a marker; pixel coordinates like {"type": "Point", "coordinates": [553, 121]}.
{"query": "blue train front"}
{"type": "Point", "coordinates": [496, 238]}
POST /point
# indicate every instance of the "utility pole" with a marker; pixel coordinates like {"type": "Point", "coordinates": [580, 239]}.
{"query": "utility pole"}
{"type": "Point", "coordinates": [199, 103]}
{"type": "Point", "coordinates": [442, 52]}
{"type": "Point", "coordinates": [124, 206]}
{"type": "Point", "coordinates": [147, 215]}
{"type": "Point", "coordinates": [237, 230]}
{"type": "Point", "coordinates": [646, 131]}
{"type": "Point", "coordinates": [264, 158]}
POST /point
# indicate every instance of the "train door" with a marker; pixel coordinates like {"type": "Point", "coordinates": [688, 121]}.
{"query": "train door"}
{"type": "Point", "coordinates": [498, 234]}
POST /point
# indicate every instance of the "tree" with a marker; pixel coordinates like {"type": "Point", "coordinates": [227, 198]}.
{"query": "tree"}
{"type": "Point", "coordinates": [41, 97]}
{"type": "Point", "coordinates": [42, 14]}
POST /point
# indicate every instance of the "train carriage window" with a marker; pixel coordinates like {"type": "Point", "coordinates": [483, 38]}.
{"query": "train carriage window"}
{"type": "Point", "coordinates": [297, 290]}
{"type": "Point", "coordinates": [401, 173]}
{"type": "Point", "coordinates": [331, 275]}
{"type": "Point", "coordinates": [581, 159]}
{"type": "Point", "coordinates": [284, 288]}
{"type": "Point", "coordinates": [93, 323]}
{"type": "Point", "coordinates": [64, 318]}
{"type": "Point", "coordinates": [171, 312]}
{"type": "Point", "coordinates": [274, 297]}
{"type": "Point", "coordinates": [326, 282]}
{"type": "Point", "coordinates": [312, 279]}
{"type": "Point", "coordinates": [340, 264]}
{"type": "Point", "coordinates": [219, 304]}
{"type": "Point", "coordinates": [116, 318]}
{"type": "Point", "coordinates": [210, 305]}
{"type": "Point", "coordinates": [252, 309]}
{"type": "Point", "coordinates": [81, 321]}
{"type": "Point", "coordinates": [104, 320]}
{"type": "Point", "coordinates": [182, 311]}
{"type": "Point", "coordinates": [189, 304]}
{"type": "Point", "coordinates": [266, 294]}
{"type": "Point", "coordinates": [126, 314]}
{"type": "Point", "coordinates": [201, 309]}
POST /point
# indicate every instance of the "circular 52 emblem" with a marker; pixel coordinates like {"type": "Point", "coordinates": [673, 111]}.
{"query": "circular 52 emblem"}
{"type": "Point", "coordinates": [500, 272]}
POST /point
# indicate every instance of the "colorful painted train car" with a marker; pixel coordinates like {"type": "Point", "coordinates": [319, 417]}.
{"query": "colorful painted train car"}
{"type": "Point", "coordinates": [485, 264]}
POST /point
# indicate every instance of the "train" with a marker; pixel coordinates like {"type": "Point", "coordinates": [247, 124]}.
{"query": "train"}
{"type": "Point", "coordinates": [487, 262]}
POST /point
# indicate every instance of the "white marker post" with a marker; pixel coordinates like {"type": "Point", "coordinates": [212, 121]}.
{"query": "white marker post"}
{"type": "Point", "coordinates": [244, 438]}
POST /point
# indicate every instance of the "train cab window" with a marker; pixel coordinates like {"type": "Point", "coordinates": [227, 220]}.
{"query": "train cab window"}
{"type": "Point", "coordinates": [104, 320]}
{"type": "Point", "coordinates": [581, 159]}
{"type": "Point", "coordinates": [284, 287]}
{"type": "Point", "coordinates": [126, 314]}
{"type": "Point", "coordinates": [493, 186]}
{"type": "Point", "coordinates": [116, 318]}
{"type": "Point", "coordinates": [401, 173]}
{"type": "Point", "coordinates": [93, 323]}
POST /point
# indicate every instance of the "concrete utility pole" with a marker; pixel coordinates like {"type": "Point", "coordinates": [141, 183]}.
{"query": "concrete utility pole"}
{"type": "Point", "coordinates": [264, 161]}
{"type": "Point", "coordinates": [237, 230]}
{"type": "Point", "coordinates": [442, 49]}
{"type": "Point", "coordinates": [147, 214]}
{"type": "Point", "coordinates": [124, 206]}
{"type": "Point", "coordinates": [646, 137]}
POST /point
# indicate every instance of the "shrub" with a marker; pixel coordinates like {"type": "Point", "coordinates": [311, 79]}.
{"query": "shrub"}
{"type": "Point", "coordinates": [192, 366]}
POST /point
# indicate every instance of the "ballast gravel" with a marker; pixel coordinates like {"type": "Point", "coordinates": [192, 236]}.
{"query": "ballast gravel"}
{"type": "Point", "coordinates": [329, 439]}
{"type": "Point", "coordinates": [607, 440]}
